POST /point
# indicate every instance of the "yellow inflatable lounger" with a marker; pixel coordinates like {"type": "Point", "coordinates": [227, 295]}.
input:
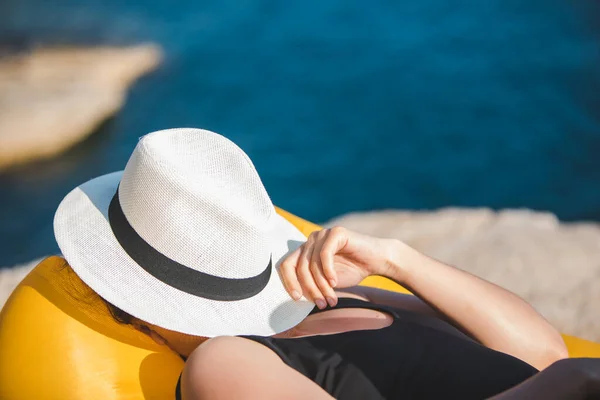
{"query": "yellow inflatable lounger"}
{"type": "Point", "coordinates": [58, 341]}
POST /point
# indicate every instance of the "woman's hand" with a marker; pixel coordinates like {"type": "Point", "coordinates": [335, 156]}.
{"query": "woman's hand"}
{"type": "Point", "coordinates": [330, 258]}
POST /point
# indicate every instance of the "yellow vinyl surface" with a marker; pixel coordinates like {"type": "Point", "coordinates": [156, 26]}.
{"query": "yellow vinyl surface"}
{"type": "Point", "coordinates": [58, 341]}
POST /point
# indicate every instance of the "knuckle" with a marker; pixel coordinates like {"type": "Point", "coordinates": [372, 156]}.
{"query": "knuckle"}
{"type": "Point", "coordinates": [324, 251]}
{"type": "Point", "coordinates": [338, 230]}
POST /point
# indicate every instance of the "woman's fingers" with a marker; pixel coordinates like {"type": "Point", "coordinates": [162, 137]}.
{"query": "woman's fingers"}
{"type": "Point", "coordinates": [287, 269]}
{"type": "Point", "coordinates": [334, 241]}
{"type": "Point", "coordinates": [309, 270]}
{"type": "Point", "coordinates": [316, 268]}
{"type": "Point", "coordinates": [305, 277]}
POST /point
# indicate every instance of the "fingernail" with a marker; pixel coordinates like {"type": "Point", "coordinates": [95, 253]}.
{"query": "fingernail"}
{"type": "Point", "coordinates": [331, 301]}
{"type": "Point", "coordinates": [295, 295]}
{"type": "Point", "coordinates": [332, 282]}
{"type": "Point", "coordinates": [320, 303]}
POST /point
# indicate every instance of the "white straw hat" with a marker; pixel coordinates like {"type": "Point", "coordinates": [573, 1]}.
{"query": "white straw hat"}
{"type": "Point", "coordinates": [185, 238]}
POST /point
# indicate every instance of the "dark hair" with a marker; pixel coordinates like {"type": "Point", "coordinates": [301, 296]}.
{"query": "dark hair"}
{"type": "Point", "coordinates": [118, 315]}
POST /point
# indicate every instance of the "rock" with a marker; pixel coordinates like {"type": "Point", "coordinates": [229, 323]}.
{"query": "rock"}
{"type": "Point", "coordinates": [51, 99]}
{"type": "Point", "coordinates": [10, 278]}
{"type": "Point", "coordinates": [554, 266]}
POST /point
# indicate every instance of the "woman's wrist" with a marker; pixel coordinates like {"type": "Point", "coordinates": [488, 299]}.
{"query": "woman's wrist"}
{"type": "Point", "coordinates": [400, 258]}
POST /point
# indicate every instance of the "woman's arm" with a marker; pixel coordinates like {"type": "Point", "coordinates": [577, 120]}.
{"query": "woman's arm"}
{"type": "Point", "coordinates": [569, 379]}
{"type": "Point", "coordinates": [492, 315]}
{"type": "Point", "coordinates": [393, 299]}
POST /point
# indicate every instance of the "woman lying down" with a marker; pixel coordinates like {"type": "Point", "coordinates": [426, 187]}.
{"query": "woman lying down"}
{"type": "Point", "coordinates": [185, 245]}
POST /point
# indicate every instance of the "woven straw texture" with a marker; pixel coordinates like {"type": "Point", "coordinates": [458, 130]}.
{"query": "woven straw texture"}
{"type": "Point", "coordinates": [195, 197]}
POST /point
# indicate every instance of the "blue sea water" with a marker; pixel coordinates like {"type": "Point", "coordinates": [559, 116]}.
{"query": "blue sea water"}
{"type": "Point", "coordinates": [343, 105]}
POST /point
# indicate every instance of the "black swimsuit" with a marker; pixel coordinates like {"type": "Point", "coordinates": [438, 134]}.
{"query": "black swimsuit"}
{"type": "Point", "coordinates": [416, 357]}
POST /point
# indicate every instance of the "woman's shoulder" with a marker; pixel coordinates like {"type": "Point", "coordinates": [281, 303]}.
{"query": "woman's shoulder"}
{"type": "Point", "coordinates": [219, 348]}
{"type": "Point", "coordinates": [215, 361]}
{"type": "Point", "coordinates": [227, 367]}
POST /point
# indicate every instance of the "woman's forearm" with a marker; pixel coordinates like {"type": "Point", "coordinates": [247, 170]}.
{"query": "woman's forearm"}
{"type": "Point", "coordinates": [492, 315]}
{"type": "Point", "coordinates": [548, 384]}
{"type": "Point", "coordinates": [570, 379]}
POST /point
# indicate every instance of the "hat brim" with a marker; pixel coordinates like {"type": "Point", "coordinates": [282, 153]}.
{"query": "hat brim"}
{"type": "Point", "coordinates": [87, 242]}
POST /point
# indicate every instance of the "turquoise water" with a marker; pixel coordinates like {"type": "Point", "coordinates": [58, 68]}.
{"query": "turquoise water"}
{"type": "Point", "coordinates": [343, 105]}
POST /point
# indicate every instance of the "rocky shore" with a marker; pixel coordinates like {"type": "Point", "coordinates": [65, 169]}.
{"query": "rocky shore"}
{"type": "Point", "coordinates": [52, 98]}
{"type": "Point", "coordinates": [10, 278]}
{"type": "Point", "coordinates": [553, 265]}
